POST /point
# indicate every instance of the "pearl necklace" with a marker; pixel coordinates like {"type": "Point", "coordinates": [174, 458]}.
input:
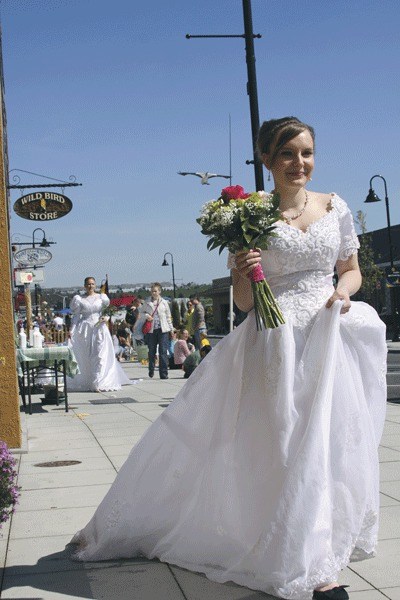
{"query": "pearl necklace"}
{"type": "Point", "coordinates": [288, 220]}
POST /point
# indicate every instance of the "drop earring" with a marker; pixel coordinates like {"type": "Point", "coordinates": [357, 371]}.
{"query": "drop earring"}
{"type": "Point", "coordinates": [269, 175]}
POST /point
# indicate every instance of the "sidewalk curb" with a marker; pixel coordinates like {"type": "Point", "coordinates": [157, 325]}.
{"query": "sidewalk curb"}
{"type": "Point", "coordinates": [24, 435]}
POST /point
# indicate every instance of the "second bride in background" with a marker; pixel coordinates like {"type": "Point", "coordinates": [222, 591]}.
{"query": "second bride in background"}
{"type": "Point", "coordinates": [92, 344]}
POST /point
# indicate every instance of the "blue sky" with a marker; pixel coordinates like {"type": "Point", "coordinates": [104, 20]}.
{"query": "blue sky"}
{"type": "Point", "coordinates": [113, 93]}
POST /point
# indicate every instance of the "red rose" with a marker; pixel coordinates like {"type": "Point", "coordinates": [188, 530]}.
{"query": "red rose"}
{"type": "Point", "coordinates": [233, 192]}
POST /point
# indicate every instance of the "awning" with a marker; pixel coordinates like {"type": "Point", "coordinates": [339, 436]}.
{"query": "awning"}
{"type": "Point", "coordinates": [122, 301]}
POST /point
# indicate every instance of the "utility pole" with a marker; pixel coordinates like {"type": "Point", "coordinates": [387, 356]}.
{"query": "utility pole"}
{"type": "Point", "coordinates": [252, 90]}
{"type": "Point", "coordinates": [248, 36]}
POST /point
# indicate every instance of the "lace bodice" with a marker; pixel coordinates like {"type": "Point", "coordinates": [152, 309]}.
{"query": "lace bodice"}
{"type": "Point", "coordinates": [299, 265]}
{"type": "Point", "coordinates": [88, 308]}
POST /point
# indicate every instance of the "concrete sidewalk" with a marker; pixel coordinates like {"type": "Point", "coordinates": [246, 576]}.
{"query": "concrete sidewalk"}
{"type": "Point", "coordinates": [56, 501]}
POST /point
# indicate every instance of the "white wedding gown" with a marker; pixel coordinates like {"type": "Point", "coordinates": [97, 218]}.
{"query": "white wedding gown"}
{"type": "Point", "coordinates": [93, 347]}
{"type": "Point", "coordinates": [264, 468]}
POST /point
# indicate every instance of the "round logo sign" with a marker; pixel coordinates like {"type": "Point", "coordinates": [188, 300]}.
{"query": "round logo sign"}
{"type": "Point", "coordinates": [33, 256]}
{"type": "Point", "coordinates": [42, 206]}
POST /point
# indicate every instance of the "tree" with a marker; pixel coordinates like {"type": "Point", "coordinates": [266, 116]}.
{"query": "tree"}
{"type": "Point", "coordinates": [183, 310]}
{"type": "Point", "coordinates": [371, 273]}
{"type": "Point", "coordinates": [176, 314]}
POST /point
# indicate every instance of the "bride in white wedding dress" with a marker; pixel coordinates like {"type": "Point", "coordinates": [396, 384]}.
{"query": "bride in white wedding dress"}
{"type": "Point", "coordinates": [92, 344]}
{"type": "Point", "coordinates": [264, 469]}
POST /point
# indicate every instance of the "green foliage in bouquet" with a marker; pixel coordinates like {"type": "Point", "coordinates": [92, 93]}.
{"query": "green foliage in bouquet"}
{"type": "Point", "coordinates": [244, 221]}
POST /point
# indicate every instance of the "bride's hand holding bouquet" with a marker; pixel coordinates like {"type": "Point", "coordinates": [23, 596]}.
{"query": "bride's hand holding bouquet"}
{"type": "Point", "coordinates": [103, 320]}
{"type": "Point", "coordinates": [246, 261]}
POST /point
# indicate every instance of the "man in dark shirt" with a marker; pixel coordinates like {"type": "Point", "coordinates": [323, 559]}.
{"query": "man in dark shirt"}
{"type": "Point", "coordinates": [199, 320]}
{"type": "Point", "coordinates": [132, 312]}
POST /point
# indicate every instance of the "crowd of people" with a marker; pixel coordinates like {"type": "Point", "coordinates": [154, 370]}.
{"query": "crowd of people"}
{"type": "Point", "coordinates": [54, 327]}
{"type": "Point", "coordinates": [168, 347]}
{"type": "Point", "coordinates": [100, 344]}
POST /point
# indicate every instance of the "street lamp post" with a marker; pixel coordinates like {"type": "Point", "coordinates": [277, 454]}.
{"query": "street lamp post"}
{"type": "Point", "coordinates": [252, 90]}
{"type": "Point", "coordinates": [43, 244]}
{"type": "Point", "coordinates": [165, 263]}
{"type": "Point", "coordinates": [373, 197]}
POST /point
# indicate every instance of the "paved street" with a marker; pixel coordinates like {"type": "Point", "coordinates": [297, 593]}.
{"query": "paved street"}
{"type": "Point", "coordinates": [99, 432]}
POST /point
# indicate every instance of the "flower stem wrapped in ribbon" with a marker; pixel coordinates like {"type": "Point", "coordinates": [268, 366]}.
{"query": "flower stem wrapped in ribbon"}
{"type": "Point", "coordinates": [241, 221]}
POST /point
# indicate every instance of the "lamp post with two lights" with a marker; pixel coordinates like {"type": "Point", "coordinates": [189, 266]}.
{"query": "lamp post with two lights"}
{"type": "Point", "coordinates": [43, 244]}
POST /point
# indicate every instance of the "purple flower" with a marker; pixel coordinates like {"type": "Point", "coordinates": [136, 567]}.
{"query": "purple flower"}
{"type": "Point", "coordinates": [9, 491]}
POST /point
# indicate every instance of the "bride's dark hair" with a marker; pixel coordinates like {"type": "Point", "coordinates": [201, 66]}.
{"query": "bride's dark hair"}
{"type": "Point", "coordinates": [275, 133]}
{"type": "Point", "coordinates": [87, 279]}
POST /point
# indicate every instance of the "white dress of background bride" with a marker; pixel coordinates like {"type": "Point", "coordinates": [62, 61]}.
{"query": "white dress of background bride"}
{"type": "Point", "coordinates": [93, 347]}
{"type": "Point", "coordinates": [264, 468]}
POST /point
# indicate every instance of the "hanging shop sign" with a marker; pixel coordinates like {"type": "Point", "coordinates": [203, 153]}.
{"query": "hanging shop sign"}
{"type": "Point", "coordinates": [22, 276]}
{"type": "Point", "coordinates": [28, 276]}
{"type": "Point", "coordinates": [42, 206]}
{"type": "Point", "coordinates": [33, 256]}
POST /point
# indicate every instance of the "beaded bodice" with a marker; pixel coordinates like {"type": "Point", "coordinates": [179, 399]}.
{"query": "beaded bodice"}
{"type": "Point", "coordinates": [299, 265]}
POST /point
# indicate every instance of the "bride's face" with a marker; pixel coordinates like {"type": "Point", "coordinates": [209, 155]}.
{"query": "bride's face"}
{"type": "Point", "coordinates": [90, 286]}
{"type": "Point", "coordinates": [294, 163]}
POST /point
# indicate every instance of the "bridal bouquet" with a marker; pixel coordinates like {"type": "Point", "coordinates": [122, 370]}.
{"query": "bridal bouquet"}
{"type": "Point", "coordinates": [9, 491]}
{"type": "Point", "coordinates": [240, 221]}
{"type": "Point", "coordinates": [105, 317]}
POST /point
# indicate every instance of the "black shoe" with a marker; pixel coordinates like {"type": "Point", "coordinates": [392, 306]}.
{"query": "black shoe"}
{"type": "Point", "coordinates": [151, 374]}
{"type": "Point", "coordinates": [336, 593]}
{"type": "Point", "coordinates": [163, 376]}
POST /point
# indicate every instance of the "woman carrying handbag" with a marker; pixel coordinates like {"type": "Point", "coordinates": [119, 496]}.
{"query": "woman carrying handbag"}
{"type": "Point", "coordinates": [159, 316]}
